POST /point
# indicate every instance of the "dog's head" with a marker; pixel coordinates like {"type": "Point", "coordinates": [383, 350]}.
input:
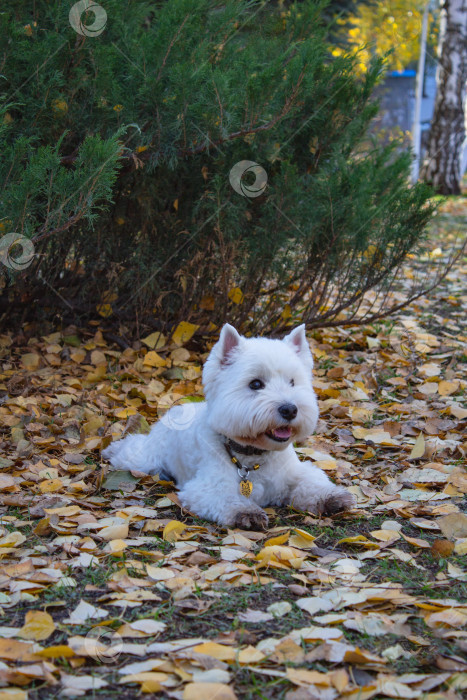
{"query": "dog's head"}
{"type": "Point", "coordinates": [259, 390]}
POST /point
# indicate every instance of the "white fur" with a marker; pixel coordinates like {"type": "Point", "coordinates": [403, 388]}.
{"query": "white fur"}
{"type": "Point", "coordinates": [188, 442]}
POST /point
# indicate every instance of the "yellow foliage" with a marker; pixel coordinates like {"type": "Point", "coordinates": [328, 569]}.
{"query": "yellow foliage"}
{"type": "Point", "coordinates": [393, 26]}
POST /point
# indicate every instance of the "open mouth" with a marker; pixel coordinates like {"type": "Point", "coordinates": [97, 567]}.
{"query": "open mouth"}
{"type": "Point", "coordinates": [280, 434]}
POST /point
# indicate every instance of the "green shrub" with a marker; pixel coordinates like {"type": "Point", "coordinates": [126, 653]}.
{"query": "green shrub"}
{"type": "Point", "coordinates": [116, 151]}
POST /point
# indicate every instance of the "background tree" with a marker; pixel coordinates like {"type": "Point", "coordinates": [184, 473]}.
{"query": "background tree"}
{"type": "Point", "coordinates": [390, 29]}
{"type": "Point", "coordinates": [115, 156]}
{"type": "Point", "coordinates": [447, 133]}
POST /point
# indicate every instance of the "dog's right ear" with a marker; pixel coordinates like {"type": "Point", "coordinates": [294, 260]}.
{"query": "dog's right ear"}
{"type": "Point", "coordinates": [229, 339]}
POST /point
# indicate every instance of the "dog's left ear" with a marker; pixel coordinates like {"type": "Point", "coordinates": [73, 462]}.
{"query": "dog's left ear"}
{"type": "Point", "coordinates": [297, 340]}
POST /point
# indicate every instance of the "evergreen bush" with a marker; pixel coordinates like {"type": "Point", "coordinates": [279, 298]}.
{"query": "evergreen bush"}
{"type": "Point", "coordinates": [116, 149]}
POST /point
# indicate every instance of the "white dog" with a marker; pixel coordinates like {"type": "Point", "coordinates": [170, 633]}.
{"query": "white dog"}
{"type": "Point", "coordinates": [233, 454]}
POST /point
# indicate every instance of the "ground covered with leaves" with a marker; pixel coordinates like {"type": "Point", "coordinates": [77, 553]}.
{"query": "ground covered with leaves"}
{"type": "Point", "coordinates": [108, 588]}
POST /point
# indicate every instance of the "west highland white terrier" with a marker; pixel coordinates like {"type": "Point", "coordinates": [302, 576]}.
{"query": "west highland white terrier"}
{"type": "Point", "coordinates": [232, 455]}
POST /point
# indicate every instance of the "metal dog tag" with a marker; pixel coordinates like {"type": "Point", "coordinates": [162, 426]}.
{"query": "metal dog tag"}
{"type": "Point", "coordinates": [246, 487]}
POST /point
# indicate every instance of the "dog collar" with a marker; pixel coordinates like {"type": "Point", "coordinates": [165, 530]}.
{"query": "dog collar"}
{"type": "Point", "coordinates": [246, 487]}
{"type": "Point", "coordinates": [247, 450]}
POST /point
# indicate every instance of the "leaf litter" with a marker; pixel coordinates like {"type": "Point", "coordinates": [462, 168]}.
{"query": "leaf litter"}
{"type": "Point", "coordinates": [108, 587]}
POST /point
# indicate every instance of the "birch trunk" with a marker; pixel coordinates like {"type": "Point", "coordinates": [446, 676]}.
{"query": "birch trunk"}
{"type": "Point", "coordinates": [442, 162]}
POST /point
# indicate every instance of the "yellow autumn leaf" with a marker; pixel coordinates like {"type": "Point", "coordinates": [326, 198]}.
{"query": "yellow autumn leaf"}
{"type": "Point", "coordinates": [30, 361]}
{"type": "Point", "coordinates": [125, 412]}
{"type": "Point", "coordinates": [65, 511]}
{"type": "Point", "coordinates": [362, 656]}
{"type": "Point", "coordinates": [149, 678]}
{"type": "Point", "coordinates": [236, 295]}
{"type": "Point", "coordinates": [301, 539]}
{"type": "Point", "coordinates": [416, 541]}
{"type": "Point", "coordinates": [50, 485]}
{"type": "Point", "coordinates": [304, 677]}
{"type": "Point", "coordinates": [150, 686]}
{"type": "Point", "coordinates": [173, 530]}
{"type": "Point", "coordinates": [280, 557]}
{"type": "Point", "coordinates": [13, 539]}
{"type": "Point", "coordinates": [221, 652]}
{"type": "Point", "coordinates": [376, 435]}
{"type": "Point", "coordinates": [446, 388]}
{"type": "Point", "coordinates": [13, 693]}
{"type": "Point", "coordinates": [60, 107]}
{"type": "Point", "coordinates": [114, 532]}
{"type": "Point", "coordinates": [340, 679]}
{"type": "Point", "coordinates": [461, 546]}
{"type": "Point", "coordinates": [116, 546]}
{"type": "Point", "coordinates": [250, 655]}
{"type": "Point", "coordinates": [153, 359]}
{"type": "Point", "coordinates": [453, 525]}
{"type": "Point", "coordinates": [183, 332]}
{"type": "Point", "coordinates": [360, 540]}
{"type": "Point", "coordinates": [104, 310]}
{"type": "Point", "coordinates": [37, 626]}
{"type": "Point", "coordinates": [13, 650]}
{"type": "Point", "coordinates": [98, 358]}
{"type": "Point", "coordinates": [385, 535]}
{"type": "Point", "coordinates": [57, 651]}
{"type": "Point", "coordinates": [326, 464]}
{"type": "Point", "coordinates": [418, 450]}
{"type": "Point", "coordinates": [451, 617]}
{"type": "Point", "coordinates": [155, 341]}
{"type": "Point", "coordinates": [208, 691]}
{"type": "Point", "coordinates": [280, 539]}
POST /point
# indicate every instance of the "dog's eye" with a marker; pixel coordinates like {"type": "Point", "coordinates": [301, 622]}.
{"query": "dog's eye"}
{"type": "Point", "coordinates": [292, 383]}
{"type": "Point", "coordinates": [256, 384]}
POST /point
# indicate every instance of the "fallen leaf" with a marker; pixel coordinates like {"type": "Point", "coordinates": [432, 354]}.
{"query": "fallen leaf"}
{"type": "Point", "coordinates": [183, 332]}
{"type": "Point", "coordinates": [13, 694]}
{"type": "Point", "coordinates": [418, 450]}
{"type": "Point", "coordinates": [451, 617]}
{"type": "Point", "coordinates": [82, 682]}
{"type": "Point", "coordinates": [279, 609]}
{"type": "Point", "coordinates": [254, 616]}
{"type": "Point", "coordinates": [453, 525]}
{"type": "Point", "coordinates": [442, 548]}
{"type": "Point", "coordinates": [304, 677]}
{"type": "Point", "coordinates": [208, 691]}
{"type": "Point", "coordinates": [16, 651]}
{"type": "Point", "coordinates": [218, 651]}
{"type": "Point", "coordinates": [173, 530]}
{"type": "Point", "coordinates": [84, 612]}
{"type": "Point", "coordinates": [37, 626]}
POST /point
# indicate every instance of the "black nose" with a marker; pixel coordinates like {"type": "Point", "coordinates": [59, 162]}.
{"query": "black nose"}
{"type": "Point", "coordinates": [288, 411]}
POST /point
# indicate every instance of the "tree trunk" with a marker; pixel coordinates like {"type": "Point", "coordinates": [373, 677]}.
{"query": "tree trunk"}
{"type": "Point", "coordinates": [442, 161]}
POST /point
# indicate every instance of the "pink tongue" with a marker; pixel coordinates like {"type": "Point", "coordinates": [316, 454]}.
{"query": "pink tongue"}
{"type": "Point", "coordinates": [282, 432]}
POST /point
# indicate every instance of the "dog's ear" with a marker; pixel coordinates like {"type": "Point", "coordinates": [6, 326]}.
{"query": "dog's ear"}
{"type": "Point", "coordinates": [297, 340]}
{"type": "Point", "coordinates": [229, 339]}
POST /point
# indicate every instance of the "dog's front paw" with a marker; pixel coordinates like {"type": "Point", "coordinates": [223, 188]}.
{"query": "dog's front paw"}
{"type": "Point", "coordinates": [251, 520]}
{"type": "Point", "coordinates": [337, 501]}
